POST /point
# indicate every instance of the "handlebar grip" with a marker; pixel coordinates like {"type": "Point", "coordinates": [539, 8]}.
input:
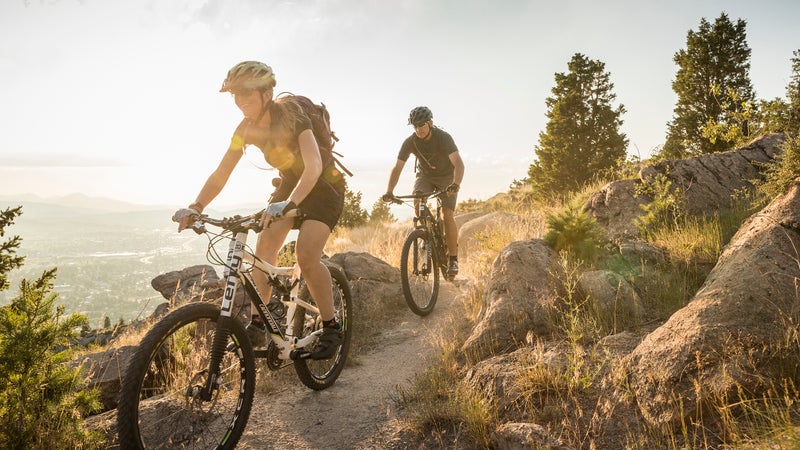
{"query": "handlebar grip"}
{"type": "Point", "coordinates": [292, 213]}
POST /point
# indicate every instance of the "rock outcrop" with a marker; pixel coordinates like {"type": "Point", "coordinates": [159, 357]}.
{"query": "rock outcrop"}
{"type": "Point", "coordinates": [706, 182]}
{"type": "Point", "coordinates": [738, 332]}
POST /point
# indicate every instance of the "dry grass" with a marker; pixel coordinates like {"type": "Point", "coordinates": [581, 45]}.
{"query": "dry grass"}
{"type": "Point", "coordinates": [383, 241]}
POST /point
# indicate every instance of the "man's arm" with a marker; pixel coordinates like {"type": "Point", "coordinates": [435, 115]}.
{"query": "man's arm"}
{"type": "Point", "coordinates": [458, 167]}
{"type": "Point", "coordinates": [394, 176]}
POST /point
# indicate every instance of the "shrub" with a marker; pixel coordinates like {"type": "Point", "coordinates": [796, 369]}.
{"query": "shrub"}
{"type": "Point", "coordinates": [783, 171]}
{"type": "Point", "coordinates": [575, 232]}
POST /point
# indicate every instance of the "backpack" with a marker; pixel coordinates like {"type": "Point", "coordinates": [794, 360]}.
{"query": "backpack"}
{"type": "Point", "coordinates": [321, 126]}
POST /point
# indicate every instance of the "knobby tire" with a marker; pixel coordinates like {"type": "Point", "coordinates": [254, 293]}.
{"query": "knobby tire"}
{"type": "Point", "coordinates": [419, 272]}
{"type": "Point", "coordinates": [158, 409]}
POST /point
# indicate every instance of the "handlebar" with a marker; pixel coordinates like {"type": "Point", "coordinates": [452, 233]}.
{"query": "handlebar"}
{"type": "Point", "coordinates": [398, 199]}
{"type": "Point", "coordinates": [251, 222]}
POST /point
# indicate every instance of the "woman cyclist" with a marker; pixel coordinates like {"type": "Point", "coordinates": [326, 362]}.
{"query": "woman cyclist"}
{"type": "Point", "coordinates": [283, 133]}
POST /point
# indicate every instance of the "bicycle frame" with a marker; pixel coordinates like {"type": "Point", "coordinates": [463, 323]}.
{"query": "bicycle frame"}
{"type": "Point", "coordinates": [234, 276]}
{"type": "Point", "coordinates": [430, 221]}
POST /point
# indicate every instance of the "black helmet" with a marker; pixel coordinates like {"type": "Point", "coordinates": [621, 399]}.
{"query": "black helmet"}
{"type": "Point", "coordinates": [420, 114]}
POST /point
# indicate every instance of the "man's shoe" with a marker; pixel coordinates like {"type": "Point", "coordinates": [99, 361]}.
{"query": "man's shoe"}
{"type": "Point", "coordinates": [329, 341]}
{"type": "Point", "coordinates": [257, 334]}
{"type": "Point", "coordinates": [452, 269]}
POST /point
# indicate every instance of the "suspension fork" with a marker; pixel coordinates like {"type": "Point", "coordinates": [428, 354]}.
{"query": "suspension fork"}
{"type": "Point", "coordinates": [224, 326]}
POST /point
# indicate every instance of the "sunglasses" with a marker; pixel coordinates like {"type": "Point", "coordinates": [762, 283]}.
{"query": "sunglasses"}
{"type": "Point", "coordinates": [241, 91]}
{"type": "Point", "coordinates": [420, 125]}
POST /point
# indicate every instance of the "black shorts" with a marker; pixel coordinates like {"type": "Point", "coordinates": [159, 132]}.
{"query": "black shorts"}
{"type": "Point", "coordinates": [324, 204]}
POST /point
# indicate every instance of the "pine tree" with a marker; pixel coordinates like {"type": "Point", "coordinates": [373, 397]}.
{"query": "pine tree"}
{"type": "Point", "coordinates": [381, 213]}
{"type": "Point", "coordinates": [353, 214]}
{"type": "Point", "coordinates": [9, 260]}
{"type": "Point", "coordinates": [793, 95]}
{"type": "Point", "coordinates": [714, 66]}
{"type": "Point", "coordinates": [582, 138]}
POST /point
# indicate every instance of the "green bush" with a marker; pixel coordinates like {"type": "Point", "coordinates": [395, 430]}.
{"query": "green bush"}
{"type": "Point", "coordinates": [665, 208]}
{"type": "Point", "coordinates": [782, 172]}
{"type": "Point", "coordinates": [575, 232]}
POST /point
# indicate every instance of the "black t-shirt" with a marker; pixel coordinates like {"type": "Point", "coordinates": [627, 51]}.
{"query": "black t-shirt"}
{"type": "Point", "coordinates": [433, 155]}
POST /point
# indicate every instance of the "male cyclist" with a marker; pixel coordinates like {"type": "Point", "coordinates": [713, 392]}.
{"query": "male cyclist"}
{"type": "Point", "coordinates": [439, 166]}
{"type": "Point", "coordinates": [283, 133]}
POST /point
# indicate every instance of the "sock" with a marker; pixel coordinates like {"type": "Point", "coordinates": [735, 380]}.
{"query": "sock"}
{"type": "Point", "coordinates": [330, 323]}
{"type": "Point", "coordinates": [256, 320]}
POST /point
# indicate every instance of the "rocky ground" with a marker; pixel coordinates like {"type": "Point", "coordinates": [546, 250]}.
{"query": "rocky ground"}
{"type": "Point", "coordinates": [357, 412]}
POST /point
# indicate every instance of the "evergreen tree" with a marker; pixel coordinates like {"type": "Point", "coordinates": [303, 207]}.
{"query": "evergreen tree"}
{"type": "Point", "coordinates": [793, 95]}
{"type": "Point", "coordinates": [714, 66]}
{"type": "Point", "coordinates": [9, 260]}
{"type": "Point", "coordinates": [381, 213]}
{"type": "Point", "coordinates": [582, 138]}
{"type": "Point", "coordinates": [42, 399]}
{"type": "Point", "coordinates": [353, 214]}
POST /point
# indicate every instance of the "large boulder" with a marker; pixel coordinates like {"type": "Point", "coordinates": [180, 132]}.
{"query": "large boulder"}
{"type": "Point", "coordinates": [521, 294]}
{"type": "Point", "coordinates": [373, 282]}
{"type": "Point", "coordinates": [375, 289]}
{"type": "Point", "coordinates": [737, 333]}
{"type": "Point", "coordinates": [189, 282]}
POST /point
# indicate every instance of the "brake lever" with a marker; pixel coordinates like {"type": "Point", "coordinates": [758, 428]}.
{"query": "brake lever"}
{"type": "Point", "coordinates": [198, 227]}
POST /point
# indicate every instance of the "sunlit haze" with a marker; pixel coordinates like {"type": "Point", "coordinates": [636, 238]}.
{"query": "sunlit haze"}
{"type": "Point", "coordinates": [119, 98]}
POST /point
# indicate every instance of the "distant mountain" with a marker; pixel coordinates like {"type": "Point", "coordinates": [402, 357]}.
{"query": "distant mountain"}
{"type": "Point", "coordinates": [80, 202]}
{"type": "Point", "coordinates": [83, 208]}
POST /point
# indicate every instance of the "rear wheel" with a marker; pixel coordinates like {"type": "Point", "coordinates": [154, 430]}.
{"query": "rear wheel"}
{"type": "Point", "coordinates": [321, 374]}
{"type": "Point", "coordinates": [419, 273]}
{"type": "Point", "coordinates": [163, 401]}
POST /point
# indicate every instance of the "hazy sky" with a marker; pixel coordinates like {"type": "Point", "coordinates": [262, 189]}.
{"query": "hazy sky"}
{"type": "Point", "coordinates": [119, 98]}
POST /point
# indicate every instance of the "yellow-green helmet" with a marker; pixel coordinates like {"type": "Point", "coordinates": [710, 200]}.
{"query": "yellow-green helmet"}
{"type": "Point", "coordinates": [249, 75]}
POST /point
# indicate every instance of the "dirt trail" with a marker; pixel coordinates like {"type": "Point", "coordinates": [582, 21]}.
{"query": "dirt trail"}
{"type": "Point", "coordinates": [355, 412]}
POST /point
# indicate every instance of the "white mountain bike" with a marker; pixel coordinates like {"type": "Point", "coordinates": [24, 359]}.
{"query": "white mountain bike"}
{"type": "Point", "coordinates": [194, 372]}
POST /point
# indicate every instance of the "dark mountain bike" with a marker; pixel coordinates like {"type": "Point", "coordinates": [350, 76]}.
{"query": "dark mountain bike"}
{"type": "Point", "coordinates": [194, 372]}
{"type": "Point", "coordinates": [424, 255]}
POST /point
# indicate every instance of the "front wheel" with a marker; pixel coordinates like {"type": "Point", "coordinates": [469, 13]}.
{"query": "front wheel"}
{"type": "Point", "coordinates": [321, 374]}
{"type": "Point", "coordinates": [165, 400]}
{"type": "Point", "coordinates": [419, 273]}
